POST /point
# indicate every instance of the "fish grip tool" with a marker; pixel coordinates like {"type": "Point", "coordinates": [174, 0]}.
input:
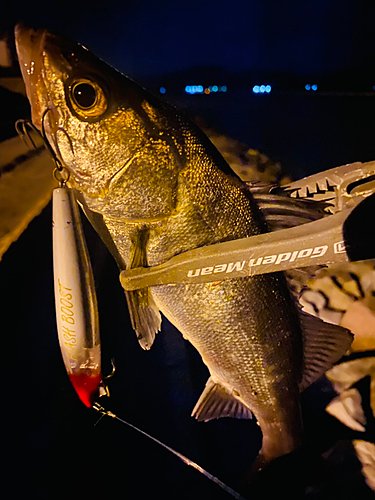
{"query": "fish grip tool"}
{"type": "Point", "coordinates": [320, 242]}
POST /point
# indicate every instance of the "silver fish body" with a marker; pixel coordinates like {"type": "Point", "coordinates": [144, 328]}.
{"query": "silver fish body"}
{"type": "Point", "coordinates": [155, 187]}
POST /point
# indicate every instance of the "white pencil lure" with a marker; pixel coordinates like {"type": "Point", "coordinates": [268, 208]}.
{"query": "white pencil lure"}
{"type": "Point", "coordinates": [75, 298]}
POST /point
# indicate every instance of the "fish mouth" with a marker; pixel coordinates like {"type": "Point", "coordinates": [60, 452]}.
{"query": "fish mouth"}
{"type": "Point", "coordinates": [30, 47]}
{"type": "Point", "coordinates": [34, 50]}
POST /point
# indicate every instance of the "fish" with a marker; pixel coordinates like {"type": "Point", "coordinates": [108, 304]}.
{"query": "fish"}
{"type": "Point", "coordinates": [153, 186]}
{"type": "Point", "coordinates": [249, 164]}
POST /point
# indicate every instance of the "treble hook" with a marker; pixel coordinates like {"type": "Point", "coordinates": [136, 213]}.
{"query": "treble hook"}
{"type": "Point", "coordinates": [21, 129]}
{"type": "Point", "coordinates": [47, 143]}
{"type": "Point", "coordinates": [60, 173]}
{"type": "Point", "coordinates": [113, 370]}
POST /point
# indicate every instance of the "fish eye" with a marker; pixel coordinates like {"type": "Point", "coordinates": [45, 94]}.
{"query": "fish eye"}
{"type": "Point", "coordinates": [87, 98]}
{"type": "Point", "coordinates": [84, 95]}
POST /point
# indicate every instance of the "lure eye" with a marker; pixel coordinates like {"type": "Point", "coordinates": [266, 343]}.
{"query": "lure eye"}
{"type": "Point", "coordinates": [87, 98]}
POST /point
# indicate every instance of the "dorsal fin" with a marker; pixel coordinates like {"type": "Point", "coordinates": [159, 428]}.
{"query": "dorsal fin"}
{"type": "Point", "coordinates": [216, 402]}
{"type": "Point", "coordinates": [324, 345]}
{"type": "Point", "coordinates": [281, 211]}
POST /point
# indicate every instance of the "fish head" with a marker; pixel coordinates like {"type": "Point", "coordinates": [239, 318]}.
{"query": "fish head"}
{"type": "Point", "coordinates": [122, 150]}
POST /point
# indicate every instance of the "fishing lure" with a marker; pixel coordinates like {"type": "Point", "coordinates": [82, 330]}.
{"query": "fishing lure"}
{"type": "Point", "coordinates": [75, 298]}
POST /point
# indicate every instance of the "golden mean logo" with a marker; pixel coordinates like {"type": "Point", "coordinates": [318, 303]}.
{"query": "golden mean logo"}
{"type": "Point", "coordinates": [262, 261]}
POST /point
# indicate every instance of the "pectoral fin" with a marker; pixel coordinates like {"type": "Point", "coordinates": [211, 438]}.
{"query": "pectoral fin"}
{"type": "Point", "coordinates": [216, 402]}
{"type": "Point", "coordinates": [144, 314]}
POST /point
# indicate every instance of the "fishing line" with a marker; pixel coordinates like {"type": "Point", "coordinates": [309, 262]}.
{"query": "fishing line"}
{"type": "Point", "coordinates": [184, 459]}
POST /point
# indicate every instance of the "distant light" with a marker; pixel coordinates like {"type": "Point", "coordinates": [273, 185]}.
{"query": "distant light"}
{"type": "Point", "coordinates": [313, 87]}
{"type": "Point", "coordinates": [199, 89]}
{"type": "Point", "coordinates": [194, 89]}
{"type": "Point", "coordinates": [162, 90]}
{"type": "Point", "coordinates": [261, 89]}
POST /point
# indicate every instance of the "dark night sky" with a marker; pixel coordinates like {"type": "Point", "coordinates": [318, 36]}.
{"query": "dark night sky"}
{"type": "Point", "coordinates": [308, 38]}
